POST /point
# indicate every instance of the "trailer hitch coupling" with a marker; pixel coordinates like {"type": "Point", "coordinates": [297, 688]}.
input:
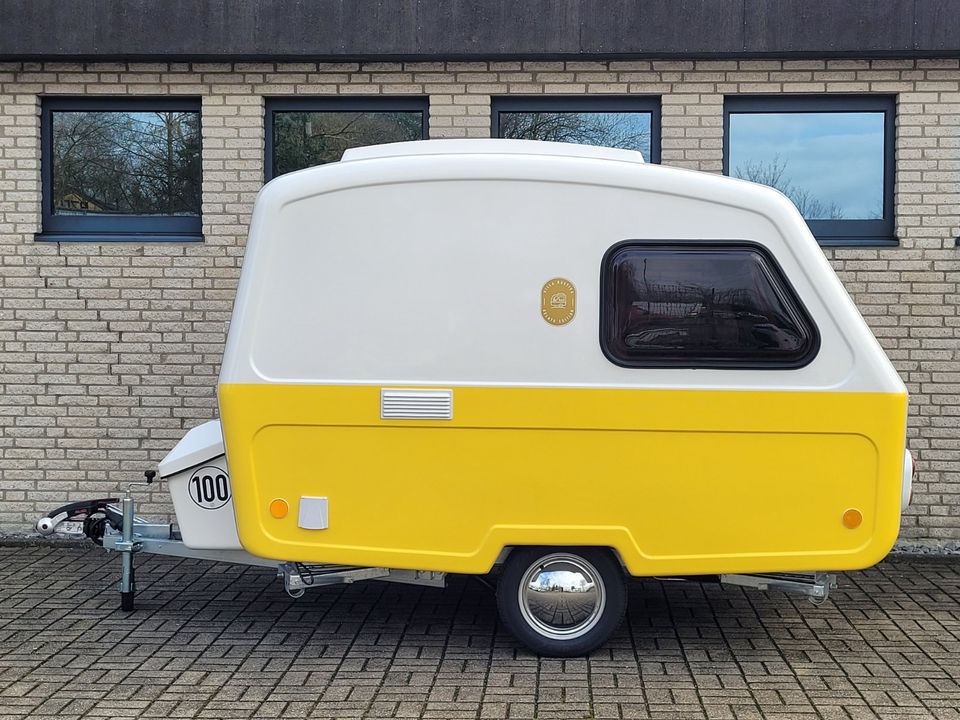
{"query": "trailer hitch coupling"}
{"type": "Point", "coordinates": [86, 517]}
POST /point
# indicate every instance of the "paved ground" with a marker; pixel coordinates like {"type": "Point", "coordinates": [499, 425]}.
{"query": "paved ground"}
{"type": "Point", "coordinates": [215, 641]}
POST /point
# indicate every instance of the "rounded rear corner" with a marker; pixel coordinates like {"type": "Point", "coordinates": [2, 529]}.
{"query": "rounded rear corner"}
{"type": "Point", "coordinates": [256, 540]}
{"type": "Point", "coordinates": [876, 549]}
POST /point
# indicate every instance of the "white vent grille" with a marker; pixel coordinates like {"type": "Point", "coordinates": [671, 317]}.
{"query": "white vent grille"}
{"type": "Point", "coordinates": [396, 404]}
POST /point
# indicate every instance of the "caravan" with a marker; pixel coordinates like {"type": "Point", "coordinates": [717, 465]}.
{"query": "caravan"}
{"type": "Point", "coordinates": [551, 360]}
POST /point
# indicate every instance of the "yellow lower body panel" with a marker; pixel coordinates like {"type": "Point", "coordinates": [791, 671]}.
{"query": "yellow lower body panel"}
{"type": "Point", "coordinates": [677, 482]}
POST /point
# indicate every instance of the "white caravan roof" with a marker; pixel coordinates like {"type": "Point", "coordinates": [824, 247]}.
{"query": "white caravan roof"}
{"type": "Point", "coordinates": [491, 147]}
{"type": "Point", "coordinates": [422, 264]}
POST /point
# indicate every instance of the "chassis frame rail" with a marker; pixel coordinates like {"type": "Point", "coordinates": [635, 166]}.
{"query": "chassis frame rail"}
{"type": "Point", "coordinates": [121, 530]}
{"type": "Point", "coordinates": [815, 586]}
{"type": "Point", "coordinates": [126, 533]}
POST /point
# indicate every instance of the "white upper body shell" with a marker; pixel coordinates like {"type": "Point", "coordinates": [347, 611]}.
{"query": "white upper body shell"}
{"type": "Point", "coordinates": [421, 264]}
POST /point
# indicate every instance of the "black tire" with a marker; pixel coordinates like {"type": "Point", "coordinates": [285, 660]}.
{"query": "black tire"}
{"type": "Point", "coordinates": [600, 605]}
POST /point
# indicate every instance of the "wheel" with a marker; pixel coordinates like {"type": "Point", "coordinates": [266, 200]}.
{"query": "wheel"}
{"type": "Point", "coordinates": [561, 602]}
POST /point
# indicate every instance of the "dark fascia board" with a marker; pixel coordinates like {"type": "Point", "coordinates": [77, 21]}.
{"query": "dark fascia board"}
{"type": "Point", "coordinates": [371, 30]}
{"type": "Point", "coordinates": [874, 27]}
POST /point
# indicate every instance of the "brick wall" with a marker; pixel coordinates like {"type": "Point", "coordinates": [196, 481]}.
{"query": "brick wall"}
{"type": "Point", "coordinates": [109, 352]}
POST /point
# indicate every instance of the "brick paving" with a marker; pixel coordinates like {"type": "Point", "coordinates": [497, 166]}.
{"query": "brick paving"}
{"type": "Point", "coordinates": [220, 641]}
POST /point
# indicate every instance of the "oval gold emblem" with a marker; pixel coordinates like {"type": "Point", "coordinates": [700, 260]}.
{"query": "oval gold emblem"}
{"type": "Point", "coordinates": [558, 301]}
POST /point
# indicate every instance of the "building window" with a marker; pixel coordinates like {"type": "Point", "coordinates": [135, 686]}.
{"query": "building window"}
{"type": "Point", "coordinates": [701, 305]}
{"type": "Point", "coordinates": [302, 132]}
{"type": "Point", "coordinates": [120, 169]}
{"type": "Point", "coordinates": [629, 123]}
{"type": "Point", "coordinates": [832, 156]}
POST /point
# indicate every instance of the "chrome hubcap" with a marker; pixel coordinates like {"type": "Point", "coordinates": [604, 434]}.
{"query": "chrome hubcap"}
{"type": "Point", "coordinates": [562, 596]}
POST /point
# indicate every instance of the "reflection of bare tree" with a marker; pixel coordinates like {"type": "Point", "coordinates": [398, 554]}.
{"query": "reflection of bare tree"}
{"type": "Point", "coordinates": [629, 131]}
{"type": "Point", "coordinates": [304, 139]}
{"type": "Point", "coordinates": [707, 311]}
{"type": "Point", "coordinates": [126, 162]}
{"type": "Point", "coordinates": [773, 173]}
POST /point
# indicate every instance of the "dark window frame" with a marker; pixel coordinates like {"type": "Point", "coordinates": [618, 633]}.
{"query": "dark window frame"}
{"type": "Point", "coordinates": [110, 228]}
{"type": "Point", "coordinates": [833, 233]}
{"type": "Point", "coordinates": [782, 284]}
{"type": "Point", "coordinates": [299, 103]}
{"type": "Point", "coordinates": [583, 103]}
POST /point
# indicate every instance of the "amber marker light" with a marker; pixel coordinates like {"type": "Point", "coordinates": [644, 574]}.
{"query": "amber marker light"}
{"type": "Point", "coordinates": [852, 519]}
{"type": "Point", "coordinates": [279, 508]}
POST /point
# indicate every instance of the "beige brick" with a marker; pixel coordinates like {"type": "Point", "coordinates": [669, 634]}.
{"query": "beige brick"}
{"type": "Point", "coordinates": [110, 352]}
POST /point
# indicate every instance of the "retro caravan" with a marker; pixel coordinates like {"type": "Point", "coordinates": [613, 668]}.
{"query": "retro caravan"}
{"type": "Point", "coordinates": [548, 361]}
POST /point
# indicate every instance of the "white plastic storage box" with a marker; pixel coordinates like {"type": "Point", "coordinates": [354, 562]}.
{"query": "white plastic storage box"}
{"type": "Point", "coordinates": [196, 473]}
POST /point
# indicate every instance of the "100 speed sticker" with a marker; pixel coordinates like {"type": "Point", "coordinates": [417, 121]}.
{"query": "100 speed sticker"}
{"type": "Point", "coordinates": [209, 487]}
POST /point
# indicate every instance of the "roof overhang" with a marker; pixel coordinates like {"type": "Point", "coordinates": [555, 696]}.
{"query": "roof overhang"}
{"type": "Point", "coordinates": [370, 30]}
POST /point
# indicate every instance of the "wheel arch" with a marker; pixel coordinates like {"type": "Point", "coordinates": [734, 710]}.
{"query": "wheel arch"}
{"type": "Point", "coordinates": [507, 549]}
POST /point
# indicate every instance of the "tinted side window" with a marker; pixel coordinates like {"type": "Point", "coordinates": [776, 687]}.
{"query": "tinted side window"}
{"type": "Point", "coordinates": [701, 305]}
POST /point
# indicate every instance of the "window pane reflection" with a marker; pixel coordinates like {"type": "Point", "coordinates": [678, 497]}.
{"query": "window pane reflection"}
{"type": "Point", "coordinates": [126, 163]}
{"type": "Point", "coordinates": [305, 139]}
{"type": "Point", "coordinates": [625, 130]}
{"type": "Point", "coordinates": [830, 164]}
